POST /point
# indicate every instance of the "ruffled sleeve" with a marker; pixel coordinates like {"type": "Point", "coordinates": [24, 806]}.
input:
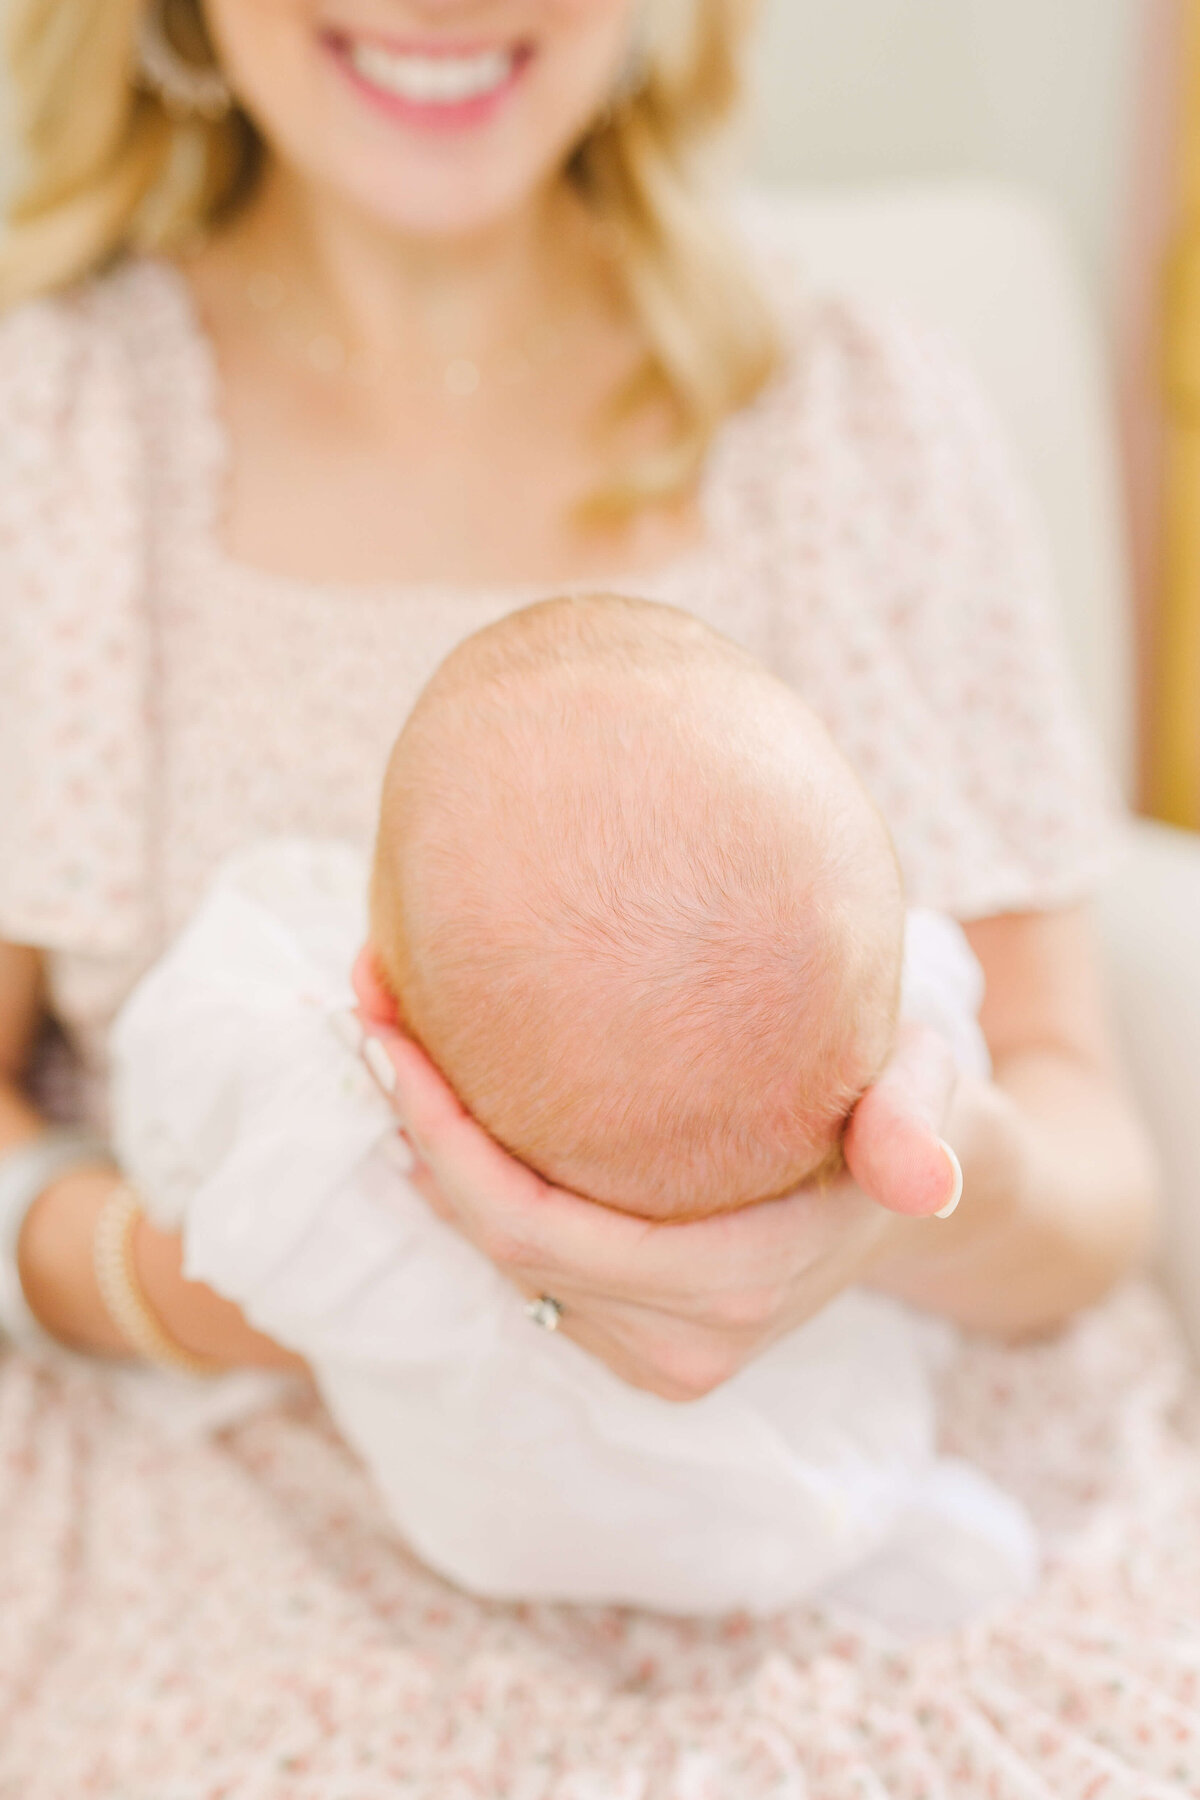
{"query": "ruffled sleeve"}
{"type": "Point", "coordinates": [914, 606]}
{"type": "Point", "coordinates": [74, 794]}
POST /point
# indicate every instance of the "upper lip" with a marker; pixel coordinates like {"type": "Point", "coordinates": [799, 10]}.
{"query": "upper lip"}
{"type": "Point", "coordinates": [345, 35]}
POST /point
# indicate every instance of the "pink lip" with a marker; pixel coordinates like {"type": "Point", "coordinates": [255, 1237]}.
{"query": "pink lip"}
{"type": "Point", "coordinates": [428, 115]}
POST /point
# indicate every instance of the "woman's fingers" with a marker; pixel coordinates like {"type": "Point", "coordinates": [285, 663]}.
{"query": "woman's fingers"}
{"type": "Point", "coordinates": [736, 1264]}
{"type": "Point", "coordinates": [672, 1357]}
{"type": "Point", "coordinates": [893, 1144]}
{"type": "Point", "coordinates": [421, 1177]}
{"type": "Point", "coordinates": [684, 1353]}
{"type": "Point", "coordinates": [466, 1162]}
{"type": "Point", "coordinates": [674, 1308]}
{"type": "Point", "coordinates": [515, 1217]}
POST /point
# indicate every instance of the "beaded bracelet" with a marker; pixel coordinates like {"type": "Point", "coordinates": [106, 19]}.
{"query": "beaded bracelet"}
{"type": "Point", "coordinates": [121, 1291]}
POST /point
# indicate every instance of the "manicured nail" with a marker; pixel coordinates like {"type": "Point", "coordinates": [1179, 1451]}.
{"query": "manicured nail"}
{"type": "Point", "coordinates": [956, 1167]}
{"type": "Point", "coordinates": [380, 1065]}
{"type": "Point", "coordinates": [348, 1027]}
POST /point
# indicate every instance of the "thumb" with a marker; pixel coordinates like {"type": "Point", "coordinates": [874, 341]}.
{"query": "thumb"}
{"type": "Point", "coordinates": [893, 1145]}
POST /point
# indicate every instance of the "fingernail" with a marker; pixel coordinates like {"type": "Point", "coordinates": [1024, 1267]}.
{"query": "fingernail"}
{"type": "Point", "coordinates": [348, 1027]}
{"type": "Point", "coordinates": [380, 1065]}
{"type": "Point", "coordinates": [952, 1204]}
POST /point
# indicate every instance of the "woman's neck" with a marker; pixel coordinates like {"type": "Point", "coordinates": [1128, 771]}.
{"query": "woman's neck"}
{"type": "Point", "coordinates": [436, 408]}
{"type": "Point", "coordinates": [400, 299]}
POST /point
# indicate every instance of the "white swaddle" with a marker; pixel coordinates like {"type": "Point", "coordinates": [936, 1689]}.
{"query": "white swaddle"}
{"type": "Point", "coordinates": [513, 1462]}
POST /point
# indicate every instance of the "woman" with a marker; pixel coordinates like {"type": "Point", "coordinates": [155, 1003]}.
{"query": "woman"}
{"type": "Point", "coordinates": [340, 328]}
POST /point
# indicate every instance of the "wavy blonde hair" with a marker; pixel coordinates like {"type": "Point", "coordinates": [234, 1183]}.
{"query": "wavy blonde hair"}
{"type": "Point", "coordinates": [108, 171]}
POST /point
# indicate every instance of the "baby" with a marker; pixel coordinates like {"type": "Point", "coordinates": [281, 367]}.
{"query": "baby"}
{"type": "Point", "coordinates": [637, 908]}
{"type": "Point", "coordinates": [645, 919]}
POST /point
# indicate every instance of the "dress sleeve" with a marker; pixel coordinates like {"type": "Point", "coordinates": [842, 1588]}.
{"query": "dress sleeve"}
{"type": "Point", "coordinates": [73, 649]}
{"type": "Point", "coordinates": [924, 625]}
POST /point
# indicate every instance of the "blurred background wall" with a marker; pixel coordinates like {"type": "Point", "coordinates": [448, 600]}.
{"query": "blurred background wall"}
{"type": "Point", "coordinates": [1044, 92]}
{"type": "Point", "coordinates": [1077, 101]}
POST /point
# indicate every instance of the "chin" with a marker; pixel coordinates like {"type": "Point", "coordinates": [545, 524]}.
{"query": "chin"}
{"type": "Point", "coordinates": [443, 204]}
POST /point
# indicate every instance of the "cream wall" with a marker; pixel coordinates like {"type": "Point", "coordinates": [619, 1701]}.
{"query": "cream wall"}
{"type": "Point", "coordinates": [1037, 91]}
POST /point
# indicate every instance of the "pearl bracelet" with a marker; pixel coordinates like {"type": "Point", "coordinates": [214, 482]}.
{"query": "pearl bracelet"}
{"type": "Point", "coordinates": [121, 1291]}
{"type": "Point", "coordinates": [25, 1174]}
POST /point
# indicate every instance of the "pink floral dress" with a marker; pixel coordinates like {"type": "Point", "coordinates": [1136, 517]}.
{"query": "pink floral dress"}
{"type": "Point", "coordinates": [186, 1614]}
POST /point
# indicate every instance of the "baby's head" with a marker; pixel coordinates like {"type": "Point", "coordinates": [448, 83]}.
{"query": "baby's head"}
{"type": "Point", "coordinates": [636, 907]}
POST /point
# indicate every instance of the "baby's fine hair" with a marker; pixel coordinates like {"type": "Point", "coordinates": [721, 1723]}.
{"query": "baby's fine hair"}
{"type": "Point", "coordinates": [636, 907]}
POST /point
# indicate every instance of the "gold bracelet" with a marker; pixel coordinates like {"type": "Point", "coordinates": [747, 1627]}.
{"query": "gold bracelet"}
{"type": "Point", "coordinates": [121, 1291]}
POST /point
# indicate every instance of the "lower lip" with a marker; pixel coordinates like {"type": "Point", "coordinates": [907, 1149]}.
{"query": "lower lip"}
{"type": "Point", "coordinates": [425, 115]}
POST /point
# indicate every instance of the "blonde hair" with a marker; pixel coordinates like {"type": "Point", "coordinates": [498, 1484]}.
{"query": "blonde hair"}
{"type": "Point", "coordinates": [108, 171]}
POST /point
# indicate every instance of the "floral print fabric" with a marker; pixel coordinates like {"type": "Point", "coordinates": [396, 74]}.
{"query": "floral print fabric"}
{"type": "Point", "coordinates": [229, 1617]}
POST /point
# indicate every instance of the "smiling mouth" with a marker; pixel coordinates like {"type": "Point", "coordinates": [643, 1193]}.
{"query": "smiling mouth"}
{"type": "Point", "coordinates": [430, 80]}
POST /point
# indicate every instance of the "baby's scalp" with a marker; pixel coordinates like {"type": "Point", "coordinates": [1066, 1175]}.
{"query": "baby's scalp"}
{"type": "Point", "coordinates": [636, 906]}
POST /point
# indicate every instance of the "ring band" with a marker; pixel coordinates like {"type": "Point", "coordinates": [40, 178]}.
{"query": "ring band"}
{"type": "Point", "coordinates": [544, 1312]}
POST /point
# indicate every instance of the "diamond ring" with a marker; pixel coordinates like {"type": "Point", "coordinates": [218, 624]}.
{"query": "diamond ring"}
{"type": "Point", "coordinates": [544, 1312]}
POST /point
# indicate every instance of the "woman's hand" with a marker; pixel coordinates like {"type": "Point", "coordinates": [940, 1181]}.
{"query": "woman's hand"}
{"type": "Point", "coordinates": [679, 1308]}
{"type": "Point", "coordinates": [1060, 1184]}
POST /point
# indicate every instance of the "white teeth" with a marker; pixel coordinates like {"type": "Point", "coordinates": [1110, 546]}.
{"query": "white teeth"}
{"type": "Point", "coordinates": [432, 80]}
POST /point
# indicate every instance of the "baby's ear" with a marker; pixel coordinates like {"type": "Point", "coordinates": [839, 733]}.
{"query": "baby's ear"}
{"type": "Point", "coordinates": [371, 989]}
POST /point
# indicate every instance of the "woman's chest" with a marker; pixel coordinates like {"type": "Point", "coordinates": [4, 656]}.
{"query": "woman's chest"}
{"type": "Point", "coordinates": [274, 702]}
{"type": "Point", "coordinates": [278, 704]}
{"type": "Point", "coordinates": [476, 481]}
{"type": "Point", "coordinates": [277, 711]}
{"type": "Point", "coordinates": [441, 507]}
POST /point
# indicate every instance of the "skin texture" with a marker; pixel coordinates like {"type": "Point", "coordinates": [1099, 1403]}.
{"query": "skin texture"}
{"type": "Point", "coordinates": [423, 251]}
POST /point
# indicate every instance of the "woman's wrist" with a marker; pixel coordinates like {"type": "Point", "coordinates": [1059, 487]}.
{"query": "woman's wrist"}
{"type": "Point", "coordinates": [199, 1320]}
{"type": "Point", "coordinates": [56, 1261]}
{"type": "Point", "coordinates": [1057, 1202]}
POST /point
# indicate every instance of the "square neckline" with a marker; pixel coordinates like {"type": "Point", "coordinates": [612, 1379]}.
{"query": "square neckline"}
{"type": "Point", "coordinates": [199, 388]}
